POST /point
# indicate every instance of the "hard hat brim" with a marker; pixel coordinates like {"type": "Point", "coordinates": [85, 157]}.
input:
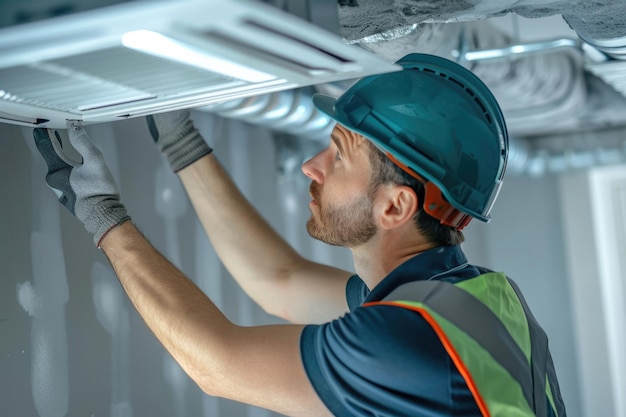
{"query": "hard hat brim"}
{"type": "Point", "coordinates": [326, 105]}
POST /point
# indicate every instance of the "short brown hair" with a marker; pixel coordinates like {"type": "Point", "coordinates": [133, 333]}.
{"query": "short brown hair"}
{"type": "Point", "coordinates": [384, 171]}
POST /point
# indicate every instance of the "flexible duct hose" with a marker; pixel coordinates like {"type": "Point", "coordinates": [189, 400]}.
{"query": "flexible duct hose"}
{"type": "Point", "coordinates": [290, 112]}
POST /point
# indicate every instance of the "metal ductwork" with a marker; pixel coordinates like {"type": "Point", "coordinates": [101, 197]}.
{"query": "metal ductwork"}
{"type": "Point", "coordinates": [556, 94]}
{"type": "Point", "coordinates": [555, 154]}
{"type": "Point", "coordinates": [556, 88]}
{"type": "Point", "coordinates": [291, 112]}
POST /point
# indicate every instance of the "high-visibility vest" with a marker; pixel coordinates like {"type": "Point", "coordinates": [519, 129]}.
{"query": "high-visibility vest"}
{"type": "Point", "coordinates": [493, 339]}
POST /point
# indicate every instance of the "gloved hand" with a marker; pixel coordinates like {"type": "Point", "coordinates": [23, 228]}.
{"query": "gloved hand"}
{"type": "Point", "coordinates": [82, 182]}
{"type": "Point", "coordinates": [177, 138]}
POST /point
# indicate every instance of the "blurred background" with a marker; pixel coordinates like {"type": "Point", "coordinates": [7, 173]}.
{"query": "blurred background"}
{"type": "Point", "coordinates": [70, 342]}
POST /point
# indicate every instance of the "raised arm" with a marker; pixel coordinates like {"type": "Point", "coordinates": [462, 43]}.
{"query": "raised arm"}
{"type": "Point", "coordinates": [267, 268]}
{"type": "Point", "coordinates": [255, 365]}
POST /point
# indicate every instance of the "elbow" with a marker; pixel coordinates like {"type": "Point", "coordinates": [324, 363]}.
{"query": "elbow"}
{"type": "Point", "coordinates": [278, 310]}
{"type": "Point", "coordinates": [207, 386]}
{"type": "Point", "coordinates": [290, 315]}
{"type": "Point", "coordinates": [277, 301]}
{"type": "Point", "coordinates": [209, 382]}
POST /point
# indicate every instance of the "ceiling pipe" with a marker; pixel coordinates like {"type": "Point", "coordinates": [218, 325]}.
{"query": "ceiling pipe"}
{"type": "Point", "coordinates": [539, 85]}
{"type": "Point", "coordinates": [572, 46]}
{"type": "Point", "coordinates": [291, 112]}
{"type": "Point", "coordinates": [556, 154]}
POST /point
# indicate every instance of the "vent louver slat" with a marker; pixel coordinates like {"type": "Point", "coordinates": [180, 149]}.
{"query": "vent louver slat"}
{"type": "Point", "coordinates": [144, 72]}
{"type": "Point", "coordinates": [138, 58]}
{"type": "Point", "coordinates": [42, 87]}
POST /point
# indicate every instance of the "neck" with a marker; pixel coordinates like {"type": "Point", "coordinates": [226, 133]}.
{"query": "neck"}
{"type": "Point", "coordinates": [374, 260]}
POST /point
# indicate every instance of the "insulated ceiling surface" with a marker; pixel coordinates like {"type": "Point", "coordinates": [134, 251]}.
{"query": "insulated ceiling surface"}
{"type": "Point", "coordinates": [596, 19]}
{"type": "Point", "coordinates": [138, 58]}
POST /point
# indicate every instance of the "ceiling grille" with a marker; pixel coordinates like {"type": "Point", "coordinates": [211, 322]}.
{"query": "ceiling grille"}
{"type": "Point", "coordinates": [198, 52]}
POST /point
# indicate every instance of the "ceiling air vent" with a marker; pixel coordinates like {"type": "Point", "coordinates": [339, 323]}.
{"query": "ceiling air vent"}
{"type": "Point", "coordinates": [144, 57]}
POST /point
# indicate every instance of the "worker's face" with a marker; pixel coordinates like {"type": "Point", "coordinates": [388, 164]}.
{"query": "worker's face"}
{"type": "Point", "coordinates": [341, 205]}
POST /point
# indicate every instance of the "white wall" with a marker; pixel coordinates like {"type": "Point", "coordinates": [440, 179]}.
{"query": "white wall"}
{"type": "Point", "coordinates": [596, 232]}
{"type": "Point", "coordinates": [524, 240]}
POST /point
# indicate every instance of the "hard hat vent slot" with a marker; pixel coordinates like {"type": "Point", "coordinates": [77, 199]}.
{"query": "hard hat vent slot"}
{"type": "Point", "coordinates": [480, 104]}
{"type": "Point", "coordinates": [457, 82]}
{"type": "Point", "coordinates": [465, 88]}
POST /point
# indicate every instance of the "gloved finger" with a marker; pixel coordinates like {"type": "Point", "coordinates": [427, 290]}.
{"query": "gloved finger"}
{"type": "Point", "coordinates": [43, 142]}
{"type": "Point", "coordinates": [93, 175]}
{"type": "Point", "coordinates": [63, 147]}
{"type": "Point", "coordinates": [80, 141]}
{"type": "Point", "coordinates": [60, 144]}
{"type": "Point", "coordinates": [58, 176]}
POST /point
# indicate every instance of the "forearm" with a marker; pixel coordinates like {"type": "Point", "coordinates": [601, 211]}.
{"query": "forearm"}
{"type": "Point", "coordinates": [172, 306]}
{"type": "Point", "coordinates": [256, 365]}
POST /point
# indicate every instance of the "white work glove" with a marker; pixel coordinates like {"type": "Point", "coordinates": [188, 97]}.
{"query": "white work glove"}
{"type": "Point", "coordinates": [177, 138]}
{"type": "Point", "coordinates": [82, 181]}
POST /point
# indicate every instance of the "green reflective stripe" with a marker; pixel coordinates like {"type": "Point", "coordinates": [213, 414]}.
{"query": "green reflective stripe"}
{"type": "Point", "coordinates": [553, 384]}
{"type": "Point", "coordinates": [501, 392]}
{"type": "Point", "coordinates": [452, 302]}
{"type": "Point", "coordinates": [495, 292]}
{"type": "Point", "coordinates": [549, 394]}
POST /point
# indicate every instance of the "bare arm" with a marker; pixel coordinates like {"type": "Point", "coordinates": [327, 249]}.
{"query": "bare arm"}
{"type": "Point", "coordinates": [255, 365]}
{"type": "Point", "coordinates": [266, 267]}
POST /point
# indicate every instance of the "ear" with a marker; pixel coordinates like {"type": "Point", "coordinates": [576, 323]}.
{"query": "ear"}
{"type": "Point", "coordinates": [397, 205]}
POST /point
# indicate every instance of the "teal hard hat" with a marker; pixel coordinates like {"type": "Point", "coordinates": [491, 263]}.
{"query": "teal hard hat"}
{"type": "Point", "coordinates": [439, 122]}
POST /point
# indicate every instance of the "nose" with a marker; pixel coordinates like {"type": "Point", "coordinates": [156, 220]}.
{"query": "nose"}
{"type": "Point", "coordinates": [313, 168]}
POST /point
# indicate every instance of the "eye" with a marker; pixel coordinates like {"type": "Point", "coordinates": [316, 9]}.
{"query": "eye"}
{"type": "Point", "coordinates": [337, 156]}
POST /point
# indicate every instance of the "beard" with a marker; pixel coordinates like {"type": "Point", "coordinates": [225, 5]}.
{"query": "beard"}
{"type": "Point", "coordinates": [349, 225]}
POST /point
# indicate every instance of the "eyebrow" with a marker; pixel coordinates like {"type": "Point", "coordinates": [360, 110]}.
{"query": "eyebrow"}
{"type": "Point", "coordinates": [338, 144]}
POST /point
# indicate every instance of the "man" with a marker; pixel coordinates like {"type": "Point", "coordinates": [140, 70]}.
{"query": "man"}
{"type": "Point", "coordinates": [414, 156]}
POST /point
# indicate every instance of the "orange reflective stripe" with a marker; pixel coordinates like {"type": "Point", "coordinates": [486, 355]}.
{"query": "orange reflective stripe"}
{"type": "Point", "coordinates": [448, 347]}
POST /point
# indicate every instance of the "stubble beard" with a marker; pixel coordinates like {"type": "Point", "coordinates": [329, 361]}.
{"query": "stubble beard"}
{"type": "Point", "coordinates": [349, 225]}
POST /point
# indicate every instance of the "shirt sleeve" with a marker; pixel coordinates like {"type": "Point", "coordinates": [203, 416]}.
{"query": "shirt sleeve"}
{"type": "Point", "coordinates": [384, 361]}
{"type": "Point", "coordinates": [356, 291]}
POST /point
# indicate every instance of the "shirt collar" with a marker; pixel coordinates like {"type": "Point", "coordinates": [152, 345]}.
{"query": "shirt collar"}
{"type": "Point", "coordinates": [434, 263]}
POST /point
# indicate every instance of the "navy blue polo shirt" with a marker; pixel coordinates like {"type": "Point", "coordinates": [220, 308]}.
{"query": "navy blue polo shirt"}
{"type": "Point", "coordinates": [386, 360]}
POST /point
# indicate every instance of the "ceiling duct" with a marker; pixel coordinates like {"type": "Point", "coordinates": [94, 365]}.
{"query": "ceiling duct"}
{"type": "Point", "coordinates": [143, 57]}
{"type": "Point", "coordinates": [580, 106]}
{"type": "Point", "coordinates": [539, 85]}
{"type": "Point", "coordinates": [543, 88]}
{"type": "Point", "coordinates": [291, 112]}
